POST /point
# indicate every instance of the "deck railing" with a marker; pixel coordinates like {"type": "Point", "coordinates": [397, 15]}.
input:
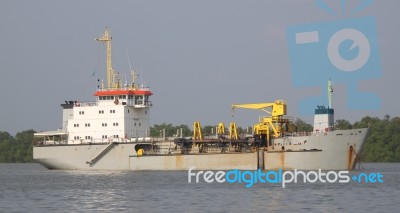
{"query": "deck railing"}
{"type": "Point", "coordinates": [123, 88]}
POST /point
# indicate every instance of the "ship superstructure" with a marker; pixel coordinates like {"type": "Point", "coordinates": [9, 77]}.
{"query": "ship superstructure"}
{"type": "Point", "coordinates": [120, 112]}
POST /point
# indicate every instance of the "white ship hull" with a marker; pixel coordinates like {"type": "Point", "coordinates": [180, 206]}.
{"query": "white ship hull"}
{"type": "Point", "coordinates": [336, 150]}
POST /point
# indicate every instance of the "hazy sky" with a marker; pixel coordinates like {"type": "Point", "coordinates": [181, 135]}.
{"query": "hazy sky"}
{"type": "Point", "coordinates": [198, 57]}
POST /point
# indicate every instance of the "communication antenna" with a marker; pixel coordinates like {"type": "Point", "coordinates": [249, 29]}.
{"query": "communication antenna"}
{"type": "Point", "coordinates": [133, 72]}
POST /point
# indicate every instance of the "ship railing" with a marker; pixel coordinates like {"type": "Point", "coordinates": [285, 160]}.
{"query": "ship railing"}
{"type": "Point", "coordinates": [128, 87]}
{"type": "Point", "coordinates": [112, 140]}
{"type": "Point", "coordinates": [129, 102]}
{"type": "Point", "coordinates": [142, 104]}
{"type": "Point", "coordinates": [99, 141]}
{"type": "Point", "coordinates": [296, 134]}
{"type": "Point", "coordinates": [283, 119]}
{"type": "Point", "coordinates": [85, 104]}
{"type": "Point", "coordinates": [50, 142]}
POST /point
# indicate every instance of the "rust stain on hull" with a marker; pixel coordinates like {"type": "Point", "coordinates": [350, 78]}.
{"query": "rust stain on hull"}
{"type": "Point", "coordinates": [350, 159]}
{"type": "Point", "coordinates": [178, 162]}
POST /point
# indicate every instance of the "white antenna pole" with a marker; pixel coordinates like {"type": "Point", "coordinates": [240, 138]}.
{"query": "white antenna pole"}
{"type": "Point", "coordinates": [129, 60]}
{"type": "Point", "coordinates": [330, 93]}
{"type": "Point", "coordinates": [130, 68]}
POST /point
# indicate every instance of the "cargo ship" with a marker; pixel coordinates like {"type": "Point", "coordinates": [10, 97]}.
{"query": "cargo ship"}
{"type": "Point", "coordinates": [113, 133]}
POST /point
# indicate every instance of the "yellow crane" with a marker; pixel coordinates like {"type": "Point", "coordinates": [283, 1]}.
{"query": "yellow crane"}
{"type": "Point", "coordinates": [273, 122]}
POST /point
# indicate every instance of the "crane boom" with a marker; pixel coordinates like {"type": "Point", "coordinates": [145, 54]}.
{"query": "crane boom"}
{"type": "Point", "coordinates": [278, 107]}
{"type": "Point", "coordinates": [274, 121]}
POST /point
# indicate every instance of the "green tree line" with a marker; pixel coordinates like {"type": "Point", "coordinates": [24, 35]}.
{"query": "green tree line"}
{"type": "Point", "coordinates": [382, 144]}
{"type": "Point", "coordinates": [16, 149]}
{"type": "Point", "coordinates": [383, 140]}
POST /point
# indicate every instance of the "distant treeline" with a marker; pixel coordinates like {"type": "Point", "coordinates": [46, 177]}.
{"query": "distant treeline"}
{"type": "Point", "coordinates": [16, 149]}
{"type": "Point", "coordinates": [383, 140]}
{"type": "Point", "coordinates": [382, 145]}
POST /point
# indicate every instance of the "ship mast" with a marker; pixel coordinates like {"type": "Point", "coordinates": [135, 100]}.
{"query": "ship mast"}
{"type": "Point", "coordinates": [106, 38]}
{"type": "Point", "coordinates": [330, 93]}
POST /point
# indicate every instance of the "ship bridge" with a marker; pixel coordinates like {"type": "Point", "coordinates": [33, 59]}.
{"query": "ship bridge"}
{"type": "Point", "coordinates": [129, 96]}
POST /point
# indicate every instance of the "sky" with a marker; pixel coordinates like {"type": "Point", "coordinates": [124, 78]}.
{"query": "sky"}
{"type": "Point", "coordinates": [197, 57]}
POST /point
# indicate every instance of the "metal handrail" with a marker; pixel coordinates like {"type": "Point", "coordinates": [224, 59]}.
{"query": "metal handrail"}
{"type": "Point", "coordinates": [123, 88]}
{"type": "Point", "coordinates": [83, 104]}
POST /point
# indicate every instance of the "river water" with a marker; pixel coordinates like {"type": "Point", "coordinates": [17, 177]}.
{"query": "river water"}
{"type": "Point", "coordinates": [32, 188]}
